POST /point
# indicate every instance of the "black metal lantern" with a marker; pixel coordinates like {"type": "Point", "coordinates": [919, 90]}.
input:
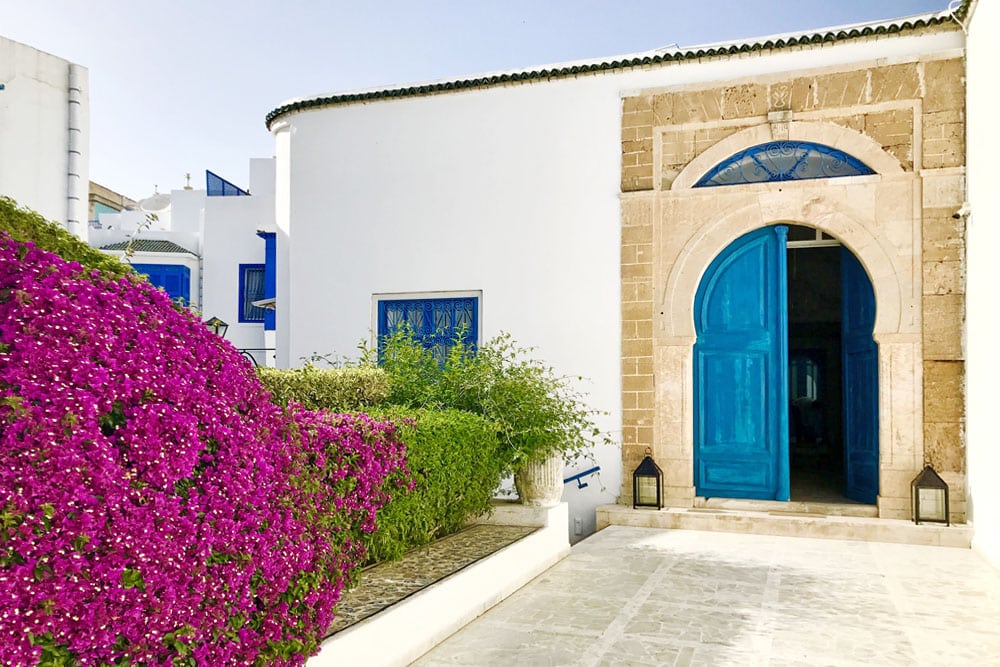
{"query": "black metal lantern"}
{"type": "Point", "coordinates": [218, 327]}
{"type": "Point", "coordinates": [929, 494]}
{"type": "Point", "coordinates": [646, 483]}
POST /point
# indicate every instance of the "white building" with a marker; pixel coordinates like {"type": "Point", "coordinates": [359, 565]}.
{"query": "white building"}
{"type": "Point", "coordinates": [565, 204]}
{"type": "Point", "coordinates": [44, 134]}
{"type": "Point", "coordinates": [207, 248]}
{"type": "Point", "coordinates": [983, 316]}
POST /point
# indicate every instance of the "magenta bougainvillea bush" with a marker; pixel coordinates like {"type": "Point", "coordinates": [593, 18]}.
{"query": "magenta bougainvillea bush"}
{"type": "Point", "coordinates": [155, 507]}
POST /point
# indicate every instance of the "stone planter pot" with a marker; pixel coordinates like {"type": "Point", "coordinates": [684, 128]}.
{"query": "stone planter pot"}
{"type": "Point", "coordinates": [540, 483]}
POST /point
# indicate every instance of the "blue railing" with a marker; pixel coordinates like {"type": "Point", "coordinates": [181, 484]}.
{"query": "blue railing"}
{"type": "Point", "coordinates": [578, 477]}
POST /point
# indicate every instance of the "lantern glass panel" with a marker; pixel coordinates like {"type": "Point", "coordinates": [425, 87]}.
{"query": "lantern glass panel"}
{"type": "Point", "coordinates": [647, 491]}
{"type": "Point", "coordinates": [931, 503]}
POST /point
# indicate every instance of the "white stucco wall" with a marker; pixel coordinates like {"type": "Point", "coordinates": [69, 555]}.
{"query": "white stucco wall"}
{"type": "Point", "coordinates": [513, 191]}
{"type": "Point", "coordinates": [983, 307]}
{"type": "Point", "coordinates": [229, 238]}
{"type": "Point", "coordinates": [35, 134]}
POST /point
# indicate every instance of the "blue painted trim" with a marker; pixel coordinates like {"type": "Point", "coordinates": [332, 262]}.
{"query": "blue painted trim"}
{"type": "Point", "coordinates": [783, 161]}
{"type": "Point", "coordinates": [243, 299]}
{"type": "Point", "coordinates": [270, 275]}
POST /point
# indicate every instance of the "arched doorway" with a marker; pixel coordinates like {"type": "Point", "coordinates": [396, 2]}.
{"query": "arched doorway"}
{"type": "Point", "coordinates": [785, 371]}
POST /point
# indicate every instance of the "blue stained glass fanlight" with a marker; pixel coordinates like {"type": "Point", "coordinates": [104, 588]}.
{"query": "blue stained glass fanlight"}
{"type": "Point", "coordinates": [783, 161]}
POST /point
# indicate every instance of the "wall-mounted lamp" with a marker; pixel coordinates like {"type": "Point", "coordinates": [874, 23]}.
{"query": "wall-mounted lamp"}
{"type": "Point", "coordinates": [218, 327]}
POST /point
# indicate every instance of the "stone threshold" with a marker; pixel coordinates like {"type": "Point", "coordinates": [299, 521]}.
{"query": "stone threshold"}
{"type": "Point", "coordinates": [788, 522]}
{"type": "Point", "coordinates": [421, 619]}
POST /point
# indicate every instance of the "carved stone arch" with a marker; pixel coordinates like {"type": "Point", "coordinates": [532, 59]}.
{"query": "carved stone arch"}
{"type": "Point", "coordinates": [842, 138]}
{"type": "Point", "coordinates": [878, 259]}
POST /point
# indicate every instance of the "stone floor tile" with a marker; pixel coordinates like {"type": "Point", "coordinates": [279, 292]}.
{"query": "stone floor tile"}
{"type": "Point", "coordinates": [711, 599]}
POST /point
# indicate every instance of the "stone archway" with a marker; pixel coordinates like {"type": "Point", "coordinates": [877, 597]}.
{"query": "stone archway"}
{"type": "Point", "coordinates": [873, 216]}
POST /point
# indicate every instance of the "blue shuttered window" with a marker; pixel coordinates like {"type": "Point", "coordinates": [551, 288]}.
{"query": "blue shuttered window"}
{"type": "Point", "coordinates": [173, 279]}
{"type": "Point", "coordinates": [435, 322]}
{"type": "Point", "coordinates": [251, 289]}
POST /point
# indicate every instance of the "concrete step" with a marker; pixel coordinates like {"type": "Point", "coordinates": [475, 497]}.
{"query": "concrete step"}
{"type": "Point", "coordinates": [791, 507]}
{"type": "Point", "coordinates": [788, 522]}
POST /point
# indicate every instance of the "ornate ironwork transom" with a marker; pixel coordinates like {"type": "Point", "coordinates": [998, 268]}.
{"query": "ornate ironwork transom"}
{"type": "Point", "coordinates": [783, 161]}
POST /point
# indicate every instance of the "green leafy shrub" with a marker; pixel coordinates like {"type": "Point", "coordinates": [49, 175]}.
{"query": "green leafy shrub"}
{"type": "Point", "coordinates": [456, 461]}
{"type": "Point", "coordinates": [26, 226]}
{"type": "Point", "coordinates": [335, 389]}
{"type": "Point", "coordinates": [537, 412]}
{"type": "Point", "coordinates": [456, 457]}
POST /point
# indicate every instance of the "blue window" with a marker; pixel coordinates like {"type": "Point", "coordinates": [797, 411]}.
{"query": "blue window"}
{"type": "Point", "coordinates": [783, 161]}
{"type": "Point", "coordinates": [435, 322]}
{"type": "Point", "coordinates": [173, 279]}
{"type": "Point", "coordinates": [217, 186]}
{"type": "Point", "coordinates": [251, 289]}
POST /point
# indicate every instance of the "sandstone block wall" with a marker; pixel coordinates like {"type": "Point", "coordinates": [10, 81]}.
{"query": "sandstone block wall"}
{"type": "Point", "coordinates": [913, 112]}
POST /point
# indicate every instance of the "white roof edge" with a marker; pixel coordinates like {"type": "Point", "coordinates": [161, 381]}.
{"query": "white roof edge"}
{"type": "Point", "coordinates": [945, 13]}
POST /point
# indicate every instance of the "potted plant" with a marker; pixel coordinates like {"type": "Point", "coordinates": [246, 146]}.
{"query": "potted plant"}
{"type": "Point", "coordinates": [540, 415]}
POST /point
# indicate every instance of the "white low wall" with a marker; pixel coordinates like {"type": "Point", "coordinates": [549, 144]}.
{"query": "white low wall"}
{"type": "Point", "coordinates": [407, 630]}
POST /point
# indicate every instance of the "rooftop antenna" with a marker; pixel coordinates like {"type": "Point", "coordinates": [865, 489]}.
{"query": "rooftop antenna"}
{"type": "Point", "coordinates": [188, 177]}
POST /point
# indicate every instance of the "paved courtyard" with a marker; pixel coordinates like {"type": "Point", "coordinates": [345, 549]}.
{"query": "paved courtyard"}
{"type": "Point", "coordinates": [640, 596]}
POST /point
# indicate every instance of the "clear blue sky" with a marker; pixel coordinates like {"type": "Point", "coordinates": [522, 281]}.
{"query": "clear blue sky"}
{"type": "Point", "coordinates": [182, 86]}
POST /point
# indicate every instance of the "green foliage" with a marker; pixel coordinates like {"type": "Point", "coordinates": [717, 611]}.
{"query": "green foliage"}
{"type": "Point", "coordinates": [335, 389]}
{"type": "Point", "coordinates": [25, 225]}
{"type": "Point", "coordinates": [537, 412]}
{"type": "Point", "coordinates": [457, 463]}
{"type": "Point", "coordinates": [456, 457]}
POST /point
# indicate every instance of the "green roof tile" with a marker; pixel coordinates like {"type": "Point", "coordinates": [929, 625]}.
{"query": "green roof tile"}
{"type": "Point", "coordinates": [149, 245]}
{"type": "Point", "coordinates": [930, 20]}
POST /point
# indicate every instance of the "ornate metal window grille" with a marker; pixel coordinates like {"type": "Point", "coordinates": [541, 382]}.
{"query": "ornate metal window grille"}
{"type": "Point", "coordinates": [436, 323]}
{"type": "Point", "coordinates": [783, 161]}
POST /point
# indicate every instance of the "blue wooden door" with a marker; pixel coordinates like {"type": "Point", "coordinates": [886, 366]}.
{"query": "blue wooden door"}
{"type": "Point", "coordinates": [860, 357]}
{"type": "Point", "coordinates": [741, 371]}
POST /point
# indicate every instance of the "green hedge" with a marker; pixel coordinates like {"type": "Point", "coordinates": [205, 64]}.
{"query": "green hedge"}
{"type": "Point", "coordinates": [24, 225]}
{"type": "Point", "coordinates": [457, 463]}
{"type": "Point", "coordinates": [336, 389]}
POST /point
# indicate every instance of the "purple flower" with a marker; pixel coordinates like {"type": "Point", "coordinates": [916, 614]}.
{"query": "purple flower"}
{"type": "Point", "coordinates": [153, 502]}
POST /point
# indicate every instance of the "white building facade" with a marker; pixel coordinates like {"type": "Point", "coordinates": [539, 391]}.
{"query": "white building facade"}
{"type": "Point", "coordinates": [209, 249]}
{"type": "Point", "coordinates": [45, 134]}
{"type": "Point", "coordinates": [983, 316]}
{"type": "Point", "coordinates": [520, 188]}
